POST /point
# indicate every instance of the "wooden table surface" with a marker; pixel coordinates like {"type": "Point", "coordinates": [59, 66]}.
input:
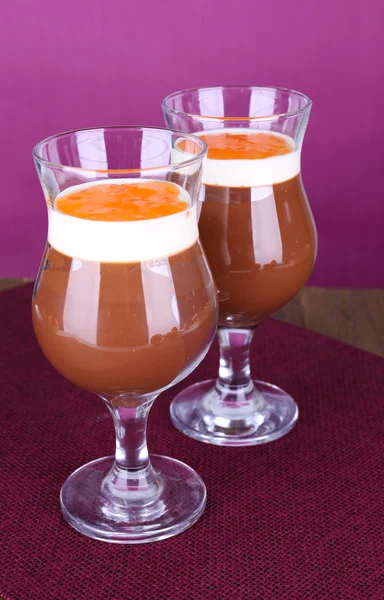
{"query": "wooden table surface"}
{"type": "Point", "coordinates": [353, 316]}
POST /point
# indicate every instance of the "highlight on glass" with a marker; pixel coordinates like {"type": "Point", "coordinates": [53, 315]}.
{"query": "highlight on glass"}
{"type": "Point", "coordinates": [125, 306]}
{"type": "Point", "coordinates": [259, 236]}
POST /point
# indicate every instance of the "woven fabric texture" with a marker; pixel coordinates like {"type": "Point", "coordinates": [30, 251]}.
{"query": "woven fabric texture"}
{"type": "Point", "coordinates": [299, 518]}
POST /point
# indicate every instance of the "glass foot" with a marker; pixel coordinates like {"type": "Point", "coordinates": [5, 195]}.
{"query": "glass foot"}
{"type": "Point", "coordinates": [127, 518]}
{"type": "Point", "coordinates": [254, 415]}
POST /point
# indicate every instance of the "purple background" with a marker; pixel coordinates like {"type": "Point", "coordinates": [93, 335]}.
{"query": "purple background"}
{"type": "Point", "coordinates": [88, 62]}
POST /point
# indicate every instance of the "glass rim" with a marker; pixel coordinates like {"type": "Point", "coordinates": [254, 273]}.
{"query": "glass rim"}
{"type": "Point", "coordinates": [171, 166]}
{"type": "Point", "coordinates": [291, 113]}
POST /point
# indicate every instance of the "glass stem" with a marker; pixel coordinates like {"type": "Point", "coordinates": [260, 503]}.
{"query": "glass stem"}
{"type": "Point", "coordinates": [234, 371]}
{"type": "Point", "coordinates": [132, 478]}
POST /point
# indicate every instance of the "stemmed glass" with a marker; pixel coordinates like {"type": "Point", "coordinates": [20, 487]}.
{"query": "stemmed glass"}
{"type": "Point", "coordinates": [125, 306]}
{"type": "Point", "coordinates": [259, 236]}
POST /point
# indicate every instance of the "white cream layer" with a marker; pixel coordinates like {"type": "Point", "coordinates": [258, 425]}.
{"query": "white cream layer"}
{"type": "Point", "coordinates": [248, 173]}
{"type": "Point", "coordinates": [121, 242]}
